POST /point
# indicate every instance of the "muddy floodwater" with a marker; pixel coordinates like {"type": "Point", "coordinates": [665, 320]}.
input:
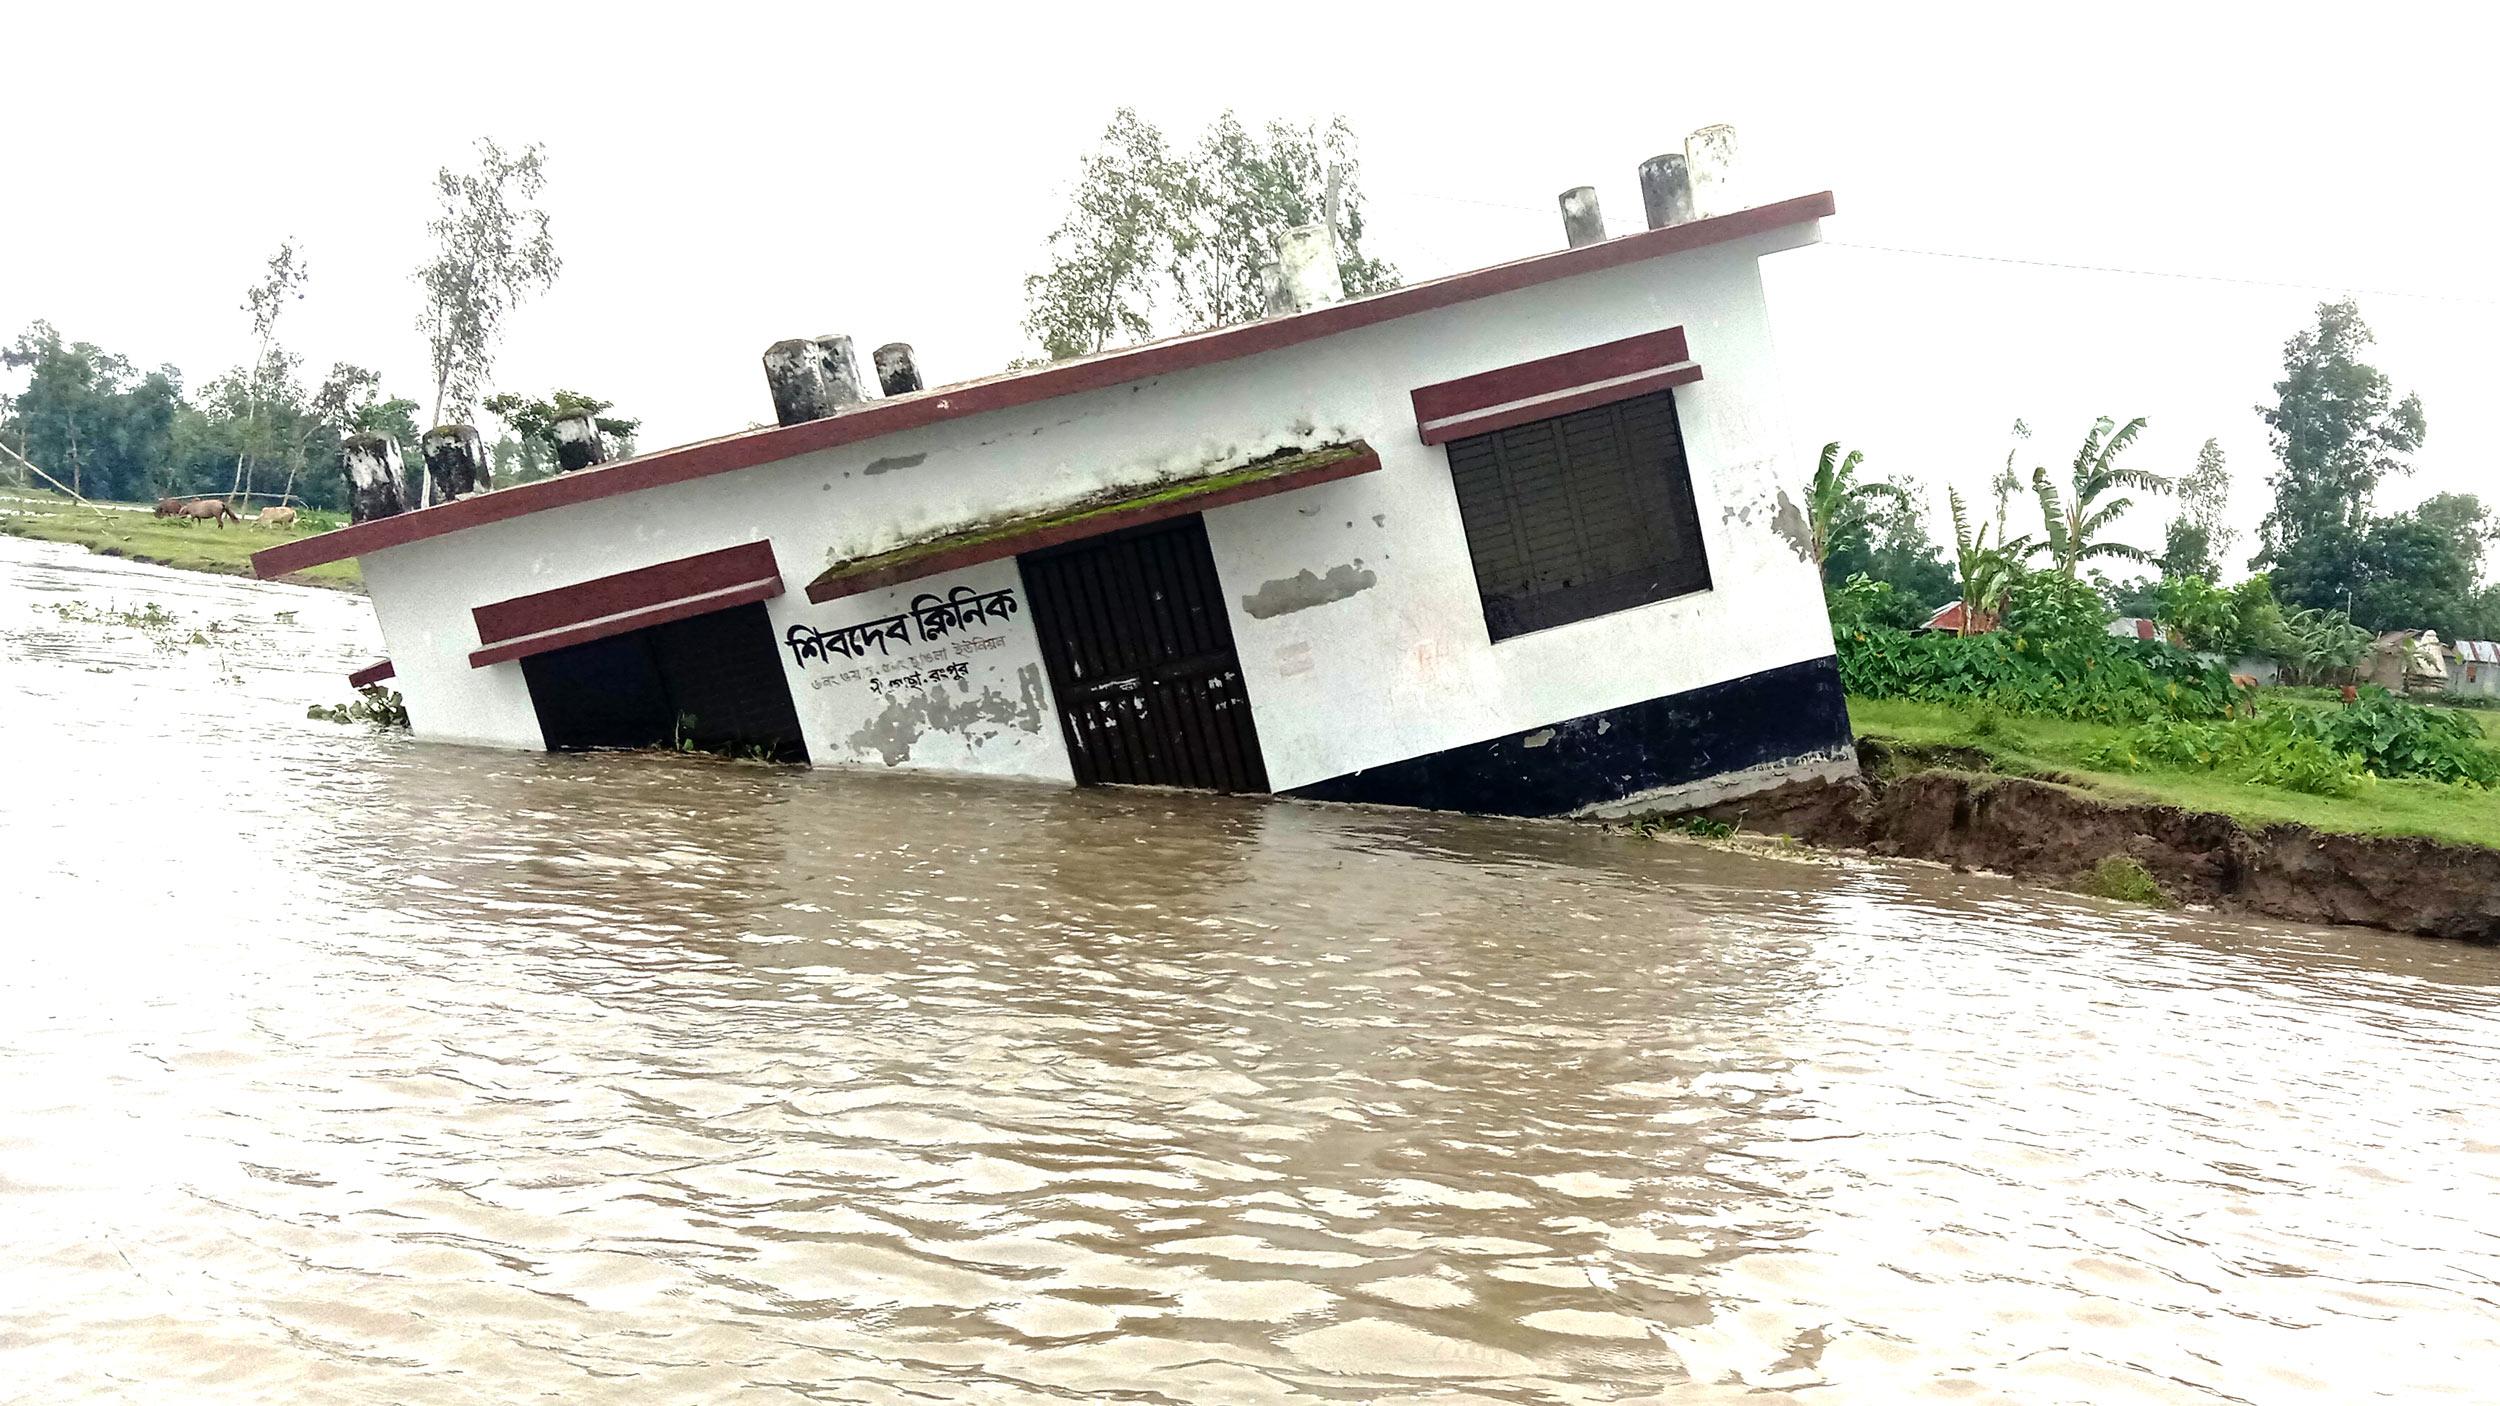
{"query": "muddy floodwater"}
{"type": "Point", "coordinates": [340, 1068]}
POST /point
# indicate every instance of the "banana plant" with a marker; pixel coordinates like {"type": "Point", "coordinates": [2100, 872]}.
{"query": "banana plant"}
{"type": "Point", "coordinates": [1987, 573]}
{"type": "Point", "coordinates": [2076, 518]}
{"type": "Point", "coordinates": [1836, 502]}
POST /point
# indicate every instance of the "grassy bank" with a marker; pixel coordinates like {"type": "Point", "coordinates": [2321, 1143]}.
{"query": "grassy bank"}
{"type": "Point", "coordinates": [141, 536]}
{"type": "Point", "coordinates": [2054, 748]}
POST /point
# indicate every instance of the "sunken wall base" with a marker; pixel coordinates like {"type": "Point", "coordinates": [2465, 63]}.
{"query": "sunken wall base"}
{"type": "Point", "coordinates": [1677, 752]}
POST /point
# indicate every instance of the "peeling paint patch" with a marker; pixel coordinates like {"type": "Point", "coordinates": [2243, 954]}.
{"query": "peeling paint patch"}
{"type": "Point", "coordinates": [976, 717]}
{"type": "Point", "coordinates": [1790, 523]}
{"type": "Point", "coordinates": [898, 461]}
{"type": "Point", "coordinates": [1537, 738]}
{"type": "Point", "coordinates": [1303, 590]}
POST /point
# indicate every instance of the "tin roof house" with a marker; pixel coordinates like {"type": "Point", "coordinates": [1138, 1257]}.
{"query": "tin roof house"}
{"type": "Point", "coordinates": [1523, 540]}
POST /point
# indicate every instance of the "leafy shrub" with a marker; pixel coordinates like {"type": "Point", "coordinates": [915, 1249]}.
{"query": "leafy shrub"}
{"type": "Point", "coordinates": [2303, 763]}
{"type": "Point", "coordinates": [2395, 738]}
{"type": "Point", "coordinates": [2048, 605]}
{"type": "Point", "coordinates": [2093, 677]}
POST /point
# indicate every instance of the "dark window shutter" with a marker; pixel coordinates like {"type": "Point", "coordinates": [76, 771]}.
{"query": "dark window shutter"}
{"type": "Point", "coordinates": [1581, 515]}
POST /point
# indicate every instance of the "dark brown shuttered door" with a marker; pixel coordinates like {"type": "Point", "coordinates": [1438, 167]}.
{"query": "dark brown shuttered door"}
{"type": "Point", "coordinates": [1579, 516]}
{"type": "Point", "coordinates": [1141, 657]}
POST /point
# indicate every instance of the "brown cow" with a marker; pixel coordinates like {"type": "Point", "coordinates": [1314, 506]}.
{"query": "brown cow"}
{"type": "Point", "coordinates": [209, 510]}
{"type": "Point", "coordinates": [275, 517]}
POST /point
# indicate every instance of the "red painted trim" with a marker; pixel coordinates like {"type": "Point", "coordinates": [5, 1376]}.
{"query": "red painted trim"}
{"type": "Point", "coordinates": [888, 416]}
{"type": "Point", "coordinates": [528, 645]}
{"type": "Point", "coordinates": [627, 591]}
{"type": "Point", "coordinates": [1546, 375]}
{"type": "Point", "coordinates": [372, 674]}
{"type": "Point", "coordinates": [1520, 412]}
{"type": "Point", "coordinates": [1051, 535]}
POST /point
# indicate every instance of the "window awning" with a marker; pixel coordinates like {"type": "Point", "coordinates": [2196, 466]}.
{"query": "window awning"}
{"type": "Point", "coordinates": [630, 600]}
{"type": "Point", "coordinates": [1555, 385]}
{"type": "Point", "coordinates": [1091, 517]}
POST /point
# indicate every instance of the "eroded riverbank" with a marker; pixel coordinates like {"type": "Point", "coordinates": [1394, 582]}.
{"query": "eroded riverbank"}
{"type": "Point", "coordinates": [343, 1067]}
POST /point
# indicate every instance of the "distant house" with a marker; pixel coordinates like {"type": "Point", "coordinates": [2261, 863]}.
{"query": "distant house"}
{"type": "Point", "coordinates": [1948, 619]}
{"type": "Point", "coordinates": [2407, 661]}
{"type": "Point", "coordinates": [2136, 627]}
{"type": "Point", "coordinates": [2474, 668]}
{"type": "Point", "coordinates": [1522, 540]}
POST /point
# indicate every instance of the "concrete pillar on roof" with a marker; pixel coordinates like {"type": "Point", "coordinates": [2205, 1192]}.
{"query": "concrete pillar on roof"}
{"type": "Point", "coordinates": [1666, 190]}
{"type": "Point", "coordinates": [1582, 223]}
{"type": "Point", "coordinates": [1710, 157]}
{"type": "Point", "coordinates": [455, 461]}
{"type": "Point", "coordinates": [373, 469]}
{"type": "Point", "coordinates": [795, 370]}
{"type": "Point", "coordinates": [842, 376]}
{"type": "Point", "coordinates": [897, 372]}
{"type": "Point", "coordinates": [578, 445]}
{"type": "Point", "coordinates": [1306, 262]}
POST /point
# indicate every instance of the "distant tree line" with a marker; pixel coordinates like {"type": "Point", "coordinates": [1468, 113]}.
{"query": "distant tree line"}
{"type": "Point", "coordinates": [2332, 566]}
{"type": "Point", "coordinates": [108, 429]}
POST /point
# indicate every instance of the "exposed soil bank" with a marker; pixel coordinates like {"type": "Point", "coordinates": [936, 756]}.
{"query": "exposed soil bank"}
{"type": "Point", "coordinates": [2041, 830]}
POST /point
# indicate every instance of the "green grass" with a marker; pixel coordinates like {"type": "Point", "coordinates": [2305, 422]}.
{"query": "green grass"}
{"type": "Point", "coordinates": [141, 536]}
{"type": "Point", "coordinates": [2022, 745]}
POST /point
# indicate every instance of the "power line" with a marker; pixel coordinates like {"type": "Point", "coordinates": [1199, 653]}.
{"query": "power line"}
{"type": "Point", "coordinates": [2123, 272]}
{"type": "Point", "coordinates": [2161, 273]}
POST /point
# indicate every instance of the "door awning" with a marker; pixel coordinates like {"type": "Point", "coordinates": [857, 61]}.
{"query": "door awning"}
{"type": "Point", "coordinates": [630, 600]}
{"type": "Point", "coordinates": [1092, 516]}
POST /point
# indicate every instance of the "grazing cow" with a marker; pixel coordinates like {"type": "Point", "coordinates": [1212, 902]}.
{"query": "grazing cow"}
{"type": "Point", "coordinates": [169, 507]}
{"type": "Point", "coordinates": [209, 510]}
{"type": "Point", "coordinates": [275, 517]}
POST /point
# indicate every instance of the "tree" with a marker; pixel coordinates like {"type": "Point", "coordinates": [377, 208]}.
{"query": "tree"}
{"type": "Point", "coordinates": [2007, 483]}
{"type": "Point", "coordinates": [1987, 573]}
{"type": "Point", "coordinates": [2073, 524]}
{"type": "Point", "coordinates": [1152, 236]}
{"type": "Point", "coordinates": [1895, 550]}
{"type": "Point", "coordinates": [2418, 570]}
{"type": "Point", "coordinates": [2337, 432]}
{"type": "Point", "coordinates": [88, 416]}
{"type": "Point", "coordinates": [492, 251]}
{"type": "Point", "coordinates": [272, 371]}
{"type": "Point", "coordinates": [1106, 257]}
{"type": "Point", "coordinates": [1240, 191]}
{"type": "Point", "coordinates": [2197, 537]}
{"type": "Point", "coordinates": [534, 421]}
{"type": "Point", "coordinates": [1837, 502]}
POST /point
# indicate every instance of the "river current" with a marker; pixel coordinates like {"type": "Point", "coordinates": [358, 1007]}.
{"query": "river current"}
{"type": "Point", "coordinates": [337, 1067]}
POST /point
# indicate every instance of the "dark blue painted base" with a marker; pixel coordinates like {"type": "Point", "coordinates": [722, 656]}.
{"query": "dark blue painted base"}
{"type": "Point", "coordinates": [1778, 715]}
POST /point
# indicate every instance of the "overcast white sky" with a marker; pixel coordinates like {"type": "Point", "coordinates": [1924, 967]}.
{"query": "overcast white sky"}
{"type": "Point", "coordinates": [724, 176]}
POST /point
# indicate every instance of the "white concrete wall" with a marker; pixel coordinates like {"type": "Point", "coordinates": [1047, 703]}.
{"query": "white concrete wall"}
{"type": "Point", "coordinates": [1398, 666]}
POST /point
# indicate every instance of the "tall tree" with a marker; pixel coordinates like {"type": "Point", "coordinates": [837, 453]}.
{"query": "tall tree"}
{"type": "Point", "coordinates": [2197, 537]}
{"type": "Point", "coordinates": [2075, 519]}
{"type": "Point", "coordinates": [1153, 238]}
{"type": "Point", "coordinates": [2337, 432]}
{"type": "Point", "coordinates": [1109, 254]}
{"type": "Point", "coordinates": [2008, 484]}
{"type": "Point", "coordinates": [1241, 190]}
{"type": "Point", "coordinates": [492, 251]}
{"type": "Point", "coordinates": [271, 372]}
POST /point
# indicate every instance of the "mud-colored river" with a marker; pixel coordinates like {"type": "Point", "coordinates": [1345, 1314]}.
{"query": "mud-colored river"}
{"type": "Point", "coordinates": [339, 1068]}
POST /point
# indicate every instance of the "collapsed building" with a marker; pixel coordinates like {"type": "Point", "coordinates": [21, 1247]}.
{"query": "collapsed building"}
{"type": "Point", "coordinates": [1520, 540]}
